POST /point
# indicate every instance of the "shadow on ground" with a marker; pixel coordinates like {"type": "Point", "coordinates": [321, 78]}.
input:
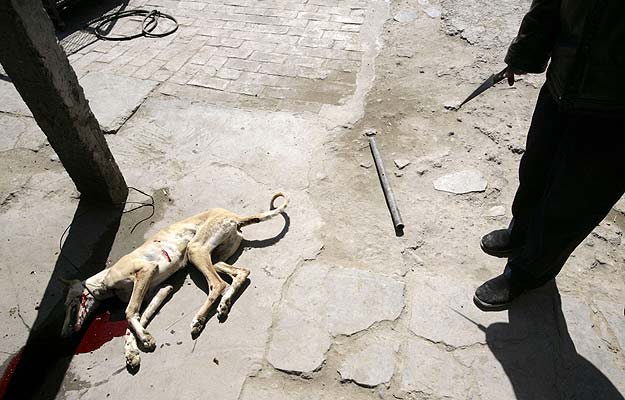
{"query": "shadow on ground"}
{"type": "Point", "coordinates": [79, 31]}
{"type": "Point", "coordinates": [46, 355]}
{"type": "Point", "coordinates": [545, 364]}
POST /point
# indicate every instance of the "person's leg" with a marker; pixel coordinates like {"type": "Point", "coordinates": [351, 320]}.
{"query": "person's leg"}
{"type": "Point", "coordinates": [588, 180]}
{"type": "Point", "coordinates": [535, 166]}
{"type": "Point", "coordinates": [537, 163]}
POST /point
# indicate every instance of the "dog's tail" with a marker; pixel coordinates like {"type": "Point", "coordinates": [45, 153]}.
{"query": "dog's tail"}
{"type": "Point", "coordinates": [273, 211]}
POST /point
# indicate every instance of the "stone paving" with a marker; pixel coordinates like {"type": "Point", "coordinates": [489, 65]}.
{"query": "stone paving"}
{"type": "Point", "coordinates": [301, 53]}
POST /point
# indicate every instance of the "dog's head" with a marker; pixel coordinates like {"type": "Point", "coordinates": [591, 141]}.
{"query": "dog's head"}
{"type": "Point", "coordinates": [79, 304]}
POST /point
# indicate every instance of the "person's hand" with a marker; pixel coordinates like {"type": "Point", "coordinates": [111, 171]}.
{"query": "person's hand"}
{"type": "Point", "coordinates": [511, 72]}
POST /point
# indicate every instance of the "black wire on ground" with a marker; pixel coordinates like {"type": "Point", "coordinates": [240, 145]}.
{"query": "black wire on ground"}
{"type": "Point", "coordinates": [149, 24]}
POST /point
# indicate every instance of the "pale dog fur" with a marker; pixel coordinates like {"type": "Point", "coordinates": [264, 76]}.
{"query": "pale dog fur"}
{"type": "Point", "coordinates": [214, 233]}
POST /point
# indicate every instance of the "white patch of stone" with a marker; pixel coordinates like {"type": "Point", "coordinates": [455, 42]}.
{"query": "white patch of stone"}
{"type": "Point", "coordinates": [461, 182]}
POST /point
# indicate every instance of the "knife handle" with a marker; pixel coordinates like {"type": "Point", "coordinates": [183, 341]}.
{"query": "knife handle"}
{"type": "Point", "coordinates": [500, 76]}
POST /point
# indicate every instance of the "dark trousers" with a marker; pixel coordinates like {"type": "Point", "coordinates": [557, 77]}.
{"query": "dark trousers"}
{"type": "Point", "coordinates": [571, 174]}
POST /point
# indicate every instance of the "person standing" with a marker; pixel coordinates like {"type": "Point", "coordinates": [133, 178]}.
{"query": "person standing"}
{"type": "Point", "coordinates": [573, 168]}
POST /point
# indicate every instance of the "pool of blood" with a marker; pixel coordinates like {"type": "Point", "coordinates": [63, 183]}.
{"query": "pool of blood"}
{"type": "Point", "coordinates": [100, 330]}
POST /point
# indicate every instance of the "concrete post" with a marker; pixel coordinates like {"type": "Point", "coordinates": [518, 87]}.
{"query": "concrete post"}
{"type": "Point", "coordinates": [39, 68]}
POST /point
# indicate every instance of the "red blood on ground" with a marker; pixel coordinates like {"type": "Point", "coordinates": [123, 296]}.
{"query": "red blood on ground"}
{"type": "Point", "coordinates": [100, 331]}
{"type": "Point", "coordinates": [8, 373]}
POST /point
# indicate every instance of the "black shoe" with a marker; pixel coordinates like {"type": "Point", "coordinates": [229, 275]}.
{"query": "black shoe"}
{"type": "Point", "coordinates": [496, 294]}
{"type": "Point", "coordinates": [499, 244]}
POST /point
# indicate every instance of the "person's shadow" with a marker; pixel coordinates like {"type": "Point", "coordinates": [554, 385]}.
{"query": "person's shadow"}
{"type": "Point", "coordinates": [542, 363]}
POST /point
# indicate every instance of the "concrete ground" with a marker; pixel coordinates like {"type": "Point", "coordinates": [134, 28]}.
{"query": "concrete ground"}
{"type": "Point", "coordinates": [254, 96]}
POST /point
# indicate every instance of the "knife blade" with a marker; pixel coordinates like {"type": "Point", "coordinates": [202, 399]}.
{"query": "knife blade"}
{"type": "Point", "coordinates": [487, 84]}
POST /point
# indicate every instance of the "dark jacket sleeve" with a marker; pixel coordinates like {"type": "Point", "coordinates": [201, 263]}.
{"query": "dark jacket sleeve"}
{"type": "Point", "coordinates": [531, 49]}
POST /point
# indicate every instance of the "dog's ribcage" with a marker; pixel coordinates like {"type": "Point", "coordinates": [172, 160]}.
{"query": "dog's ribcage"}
{"type": "Point", "coordinates": [168, 251]}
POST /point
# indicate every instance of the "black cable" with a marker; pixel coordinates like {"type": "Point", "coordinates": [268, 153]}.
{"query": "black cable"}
{"type": "Point", "coordinates": [151, 205]}
{"type": "Point", "coordinates": [149, 24]}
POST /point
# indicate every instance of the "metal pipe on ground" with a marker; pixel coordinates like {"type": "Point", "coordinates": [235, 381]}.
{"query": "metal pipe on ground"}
{"type": "Point", "coordinates": [386, 186]}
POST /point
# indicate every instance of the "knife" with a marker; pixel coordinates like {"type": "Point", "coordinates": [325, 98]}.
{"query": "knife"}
{"type": "Point", "coordinates": [488, 83]}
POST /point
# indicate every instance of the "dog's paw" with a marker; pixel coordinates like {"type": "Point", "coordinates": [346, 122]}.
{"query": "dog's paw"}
{"type": "Point", "coordinates": [223, 309]}
{"type": "Point", "coordinates": [148, 344]}
{"type": "Point", "coordinates": [197, 326]}
{"type": "Point", "coordinates": [133, 360]}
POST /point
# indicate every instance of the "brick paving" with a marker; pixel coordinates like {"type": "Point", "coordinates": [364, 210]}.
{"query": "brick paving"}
{"type": "Point", "coordinates": [283, 53]}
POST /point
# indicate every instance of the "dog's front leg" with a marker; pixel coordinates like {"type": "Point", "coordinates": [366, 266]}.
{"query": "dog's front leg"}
{"type": "Point", "coordinates": [133, 359]}
{"type": "Point", "coordinates": [143, 277]}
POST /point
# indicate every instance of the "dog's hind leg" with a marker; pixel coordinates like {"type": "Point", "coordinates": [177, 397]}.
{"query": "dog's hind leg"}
{"type": "Point", "coordinates": [143, 278]}
{"type": "Point", "coordinates": [200, 256]}
{"type": "Point", "coordinates": [239, 275]}
{"type": "Point", "coordinates": [131, 349]}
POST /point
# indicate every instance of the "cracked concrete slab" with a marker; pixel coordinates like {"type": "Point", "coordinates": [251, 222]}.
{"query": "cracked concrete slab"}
{"type": "Point", "coordinates": [591, 349]}
{"type": "Point", "coordinates": [357, 299]}
{"type": "Point", "coordinates": [431, 371]}
{"type": "Point", "coordinates": [338, 301]}
{"type": "Point", "coordinates": [300, 335]}
{"type": "Point", "coordinates": [10, 100]}
{"type": "Point", "coordinates": [441, 313]}
{"type": "Point", "coordinates": [219, 136]}
{"type": "Point", "coordinates": [371, 360]}
{"type": "Point", "coordinates": [113, 98]}
{"type": "Point", "coordinates": [489, 380]}
{"type": "Point", "coordinates": [20, 133]}
{"type": "Point", "coordinates": [510, 367]}
{"type": "Point", "coordinates": [614, 322]}
{"type": "Point", "coordinates": [273, 387]}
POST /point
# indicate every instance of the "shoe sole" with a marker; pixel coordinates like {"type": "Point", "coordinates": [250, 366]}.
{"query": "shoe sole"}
{"type": "Point", "coordinates": [499, 253]}
{"type": "Point", "coordinates": [489, 307]}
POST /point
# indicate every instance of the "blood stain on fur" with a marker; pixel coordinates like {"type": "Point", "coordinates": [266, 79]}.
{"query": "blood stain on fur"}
{"type": "Point", "coordinates": [101, 330]}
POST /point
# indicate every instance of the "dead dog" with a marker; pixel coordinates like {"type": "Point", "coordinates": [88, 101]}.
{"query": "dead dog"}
{"type": "Point", "coordinates": [213, 234]}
